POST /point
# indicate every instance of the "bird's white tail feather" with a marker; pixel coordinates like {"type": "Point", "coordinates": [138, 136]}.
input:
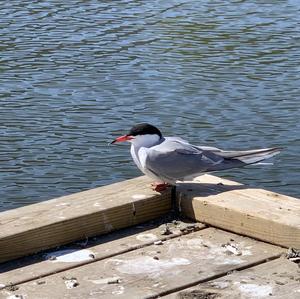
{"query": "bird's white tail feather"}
{"type": "Point", "coordinates": [263, 163]}
{"type": "Point", "coordinates": [255, 156]}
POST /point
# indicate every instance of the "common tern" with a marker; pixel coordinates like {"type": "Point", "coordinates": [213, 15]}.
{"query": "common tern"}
{"type": "Point", "coordinates": [171, 159]}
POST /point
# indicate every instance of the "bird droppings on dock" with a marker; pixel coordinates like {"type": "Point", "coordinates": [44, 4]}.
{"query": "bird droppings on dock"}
{"type": "Point", "coordinates": [180, 259]}
{"type": "Point", "coordinates": [233, 249]}
{"type": "Point", "coordinates": [118, 291]}
{"type": "Point", "coordinates": [60, 217]}
{"type": "Point", "coordinates": [62, 204]}
{"type": "Point", "coordinates": [139, 196]}
{"type": "Point", "coordinates": [15, 297]}
{"type": "Point", "coordinates": [158, 242]}
{"type": "Point", "coordinates": [220, 284]}
{"type": "Point", "coordinates": [146, 264]}
{"type": "Point", "coordinates": [71, 282]}
{"type": "Point", "coordinates": [70, 256]}
{"type": "Point", "coordinates": [146, 237]}
{"type": "Point", "coordinates": [162, 256]}
{"type": "Point", "coordinates": [219, 254]}
{"type": "Point", "coordinates": [254, 290]}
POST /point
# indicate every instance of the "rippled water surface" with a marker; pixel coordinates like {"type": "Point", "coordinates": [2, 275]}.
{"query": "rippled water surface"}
{"type": "Point", "coordinates": [75, 74]}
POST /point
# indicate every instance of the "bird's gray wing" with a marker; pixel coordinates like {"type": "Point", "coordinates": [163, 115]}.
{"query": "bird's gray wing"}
{"type": "Point", "coordinates": [175, 159]}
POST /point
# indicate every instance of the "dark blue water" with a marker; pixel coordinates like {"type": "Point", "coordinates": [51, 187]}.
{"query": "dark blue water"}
{"type": "Point", "coordinates": [75, 74]}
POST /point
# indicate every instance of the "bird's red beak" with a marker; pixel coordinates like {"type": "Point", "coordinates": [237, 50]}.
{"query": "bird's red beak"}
{"type": "Point", "coordinates": [122, 139]}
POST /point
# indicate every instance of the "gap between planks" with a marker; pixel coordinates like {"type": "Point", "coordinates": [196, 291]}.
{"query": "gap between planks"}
{"type": "Point", "coordinates": [257, 213]}
{"type": "Point", "coordinates": [278, 278]}
{"type": "Point", "coordinates": [127, 236]}
{"type": "Point", "coordinates": [214, 277]}
{"type": "Point", "coordinates": [177, 266]}
{"type": "Point", "coordinates": [248, 211]}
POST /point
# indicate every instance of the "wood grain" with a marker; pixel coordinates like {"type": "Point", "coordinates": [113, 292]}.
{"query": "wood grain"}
{"type": "Point", "coordinates": [102, 247]}
{"type": "Point", "coordinates": [154, 270]}
{"type": "Point", "coordinates": [36, 227]}
{"type": "Point", "coordinates": [277, 279]}
{"type": "Point", "coordinates": [253, 212]}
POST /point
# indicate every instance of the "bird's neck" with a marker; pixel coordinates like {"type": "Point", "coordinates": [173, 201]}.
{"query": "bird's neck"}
{"type": "Point", "coordinates": [146, 141]}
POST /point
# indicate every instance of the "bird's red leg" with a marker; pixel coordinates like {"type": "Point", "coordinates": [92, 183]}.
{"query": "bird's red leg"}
{"type": "Point", "coordinates": [159, 187]}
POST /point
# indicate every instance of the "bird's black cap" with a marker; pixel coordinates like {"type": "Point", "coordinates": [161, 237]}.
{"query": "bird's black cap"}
{"type": "Point", "coordinates": [143, 129]}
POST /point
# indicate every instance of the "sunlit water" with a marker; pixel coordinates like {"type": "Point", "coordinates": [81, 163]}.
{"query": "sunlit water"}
{"type": "Point", "coordinates": [75, 74]}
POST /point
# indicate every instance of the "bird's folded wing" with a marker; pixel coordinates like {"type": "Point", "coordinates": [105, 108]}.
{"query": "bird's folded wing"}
{"type": "Point", "coordinates": [175, 160]}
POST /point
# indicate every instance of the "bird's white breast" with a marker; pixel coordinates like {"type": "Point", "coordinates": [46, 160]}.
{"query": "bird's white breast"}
{"type": "Point", "coordinates": [142, 154]}
{"type": "Point", "coordinates": [140, 146]}
{"type": "Point", "coordinates": [135, 157]}
{"type": "Point", "coordinates": [139, 156]}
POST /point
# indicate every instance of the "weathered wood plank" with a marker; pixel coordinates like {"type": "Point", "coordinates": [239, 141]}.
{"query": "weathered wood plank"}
{"type": "Point", "coordinates": [95, 249]}
{"type": "Point", "coordinates": [154, 270]}
{"type": "Point", "coordinates": [279, 279]}
{"type": "Point", "coordinates": [257, 213]}
{"type": "Point", "coordinates": [62, 220]}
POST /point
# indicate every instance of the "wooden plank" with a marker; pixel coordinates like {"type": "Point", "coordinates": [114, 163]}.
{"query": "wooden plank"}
{"type": "Point", "coordinates": [154, 270]}
{"type": "Point", "coordinates": [257, 213]}
{"type": "Point", "coordinates": [92, 250]}
{"type": "Point", "coordinates": [278, 279]}
{"type": "Point", "coordinates": [62, 220]}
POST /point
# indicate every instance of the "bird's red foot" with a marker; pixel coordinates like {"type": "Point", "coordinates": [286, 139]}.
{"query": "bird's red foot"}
{"type": "Point", "coordinates": [159, 187]}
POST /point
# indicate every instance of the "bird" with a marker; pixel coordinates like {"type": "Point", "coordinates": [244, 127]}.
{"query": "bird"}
{"type": "Point", "coordinates": [169, 160]}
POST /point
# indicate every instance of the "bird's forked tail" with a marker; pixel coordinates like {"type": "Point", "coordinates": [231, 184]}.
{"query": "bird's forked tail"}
{"type": "Point", "coordinates": [251, 156]}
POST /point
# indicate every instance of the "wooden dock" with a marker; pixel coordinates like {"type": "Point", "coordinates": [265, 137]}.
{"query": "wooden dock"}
{"type": "Point", "coordinates": [122, 241]}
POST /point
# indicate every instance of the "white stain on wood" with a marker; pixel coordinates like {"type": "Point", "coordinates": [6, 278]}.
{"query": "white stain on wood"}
{"type": "Point", "coordinates": [232, 249]}
{"type": "Point", "coordinates": [139, 196]}
{"type": "Point", "coordinates": [226, 254]}
{"type": "Point", "coordinates": [147, 264]}
{"type": "Point", "coordinates": [62, 204]}
{"type": "Point", "coordinates": [254, 290]}
{"type": "Point", "coordinates": [71, 283]}
{"type": "Point", "coordinates": [236, 249]}
{"type": "Point", "coordinates": [118, 291]}
{"type": "Point", "coordinates": [146, 237]}
{"type": "Point", "coordinates": [220, 284]}
{"type": "Point", "coordinates": [70, 256]}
